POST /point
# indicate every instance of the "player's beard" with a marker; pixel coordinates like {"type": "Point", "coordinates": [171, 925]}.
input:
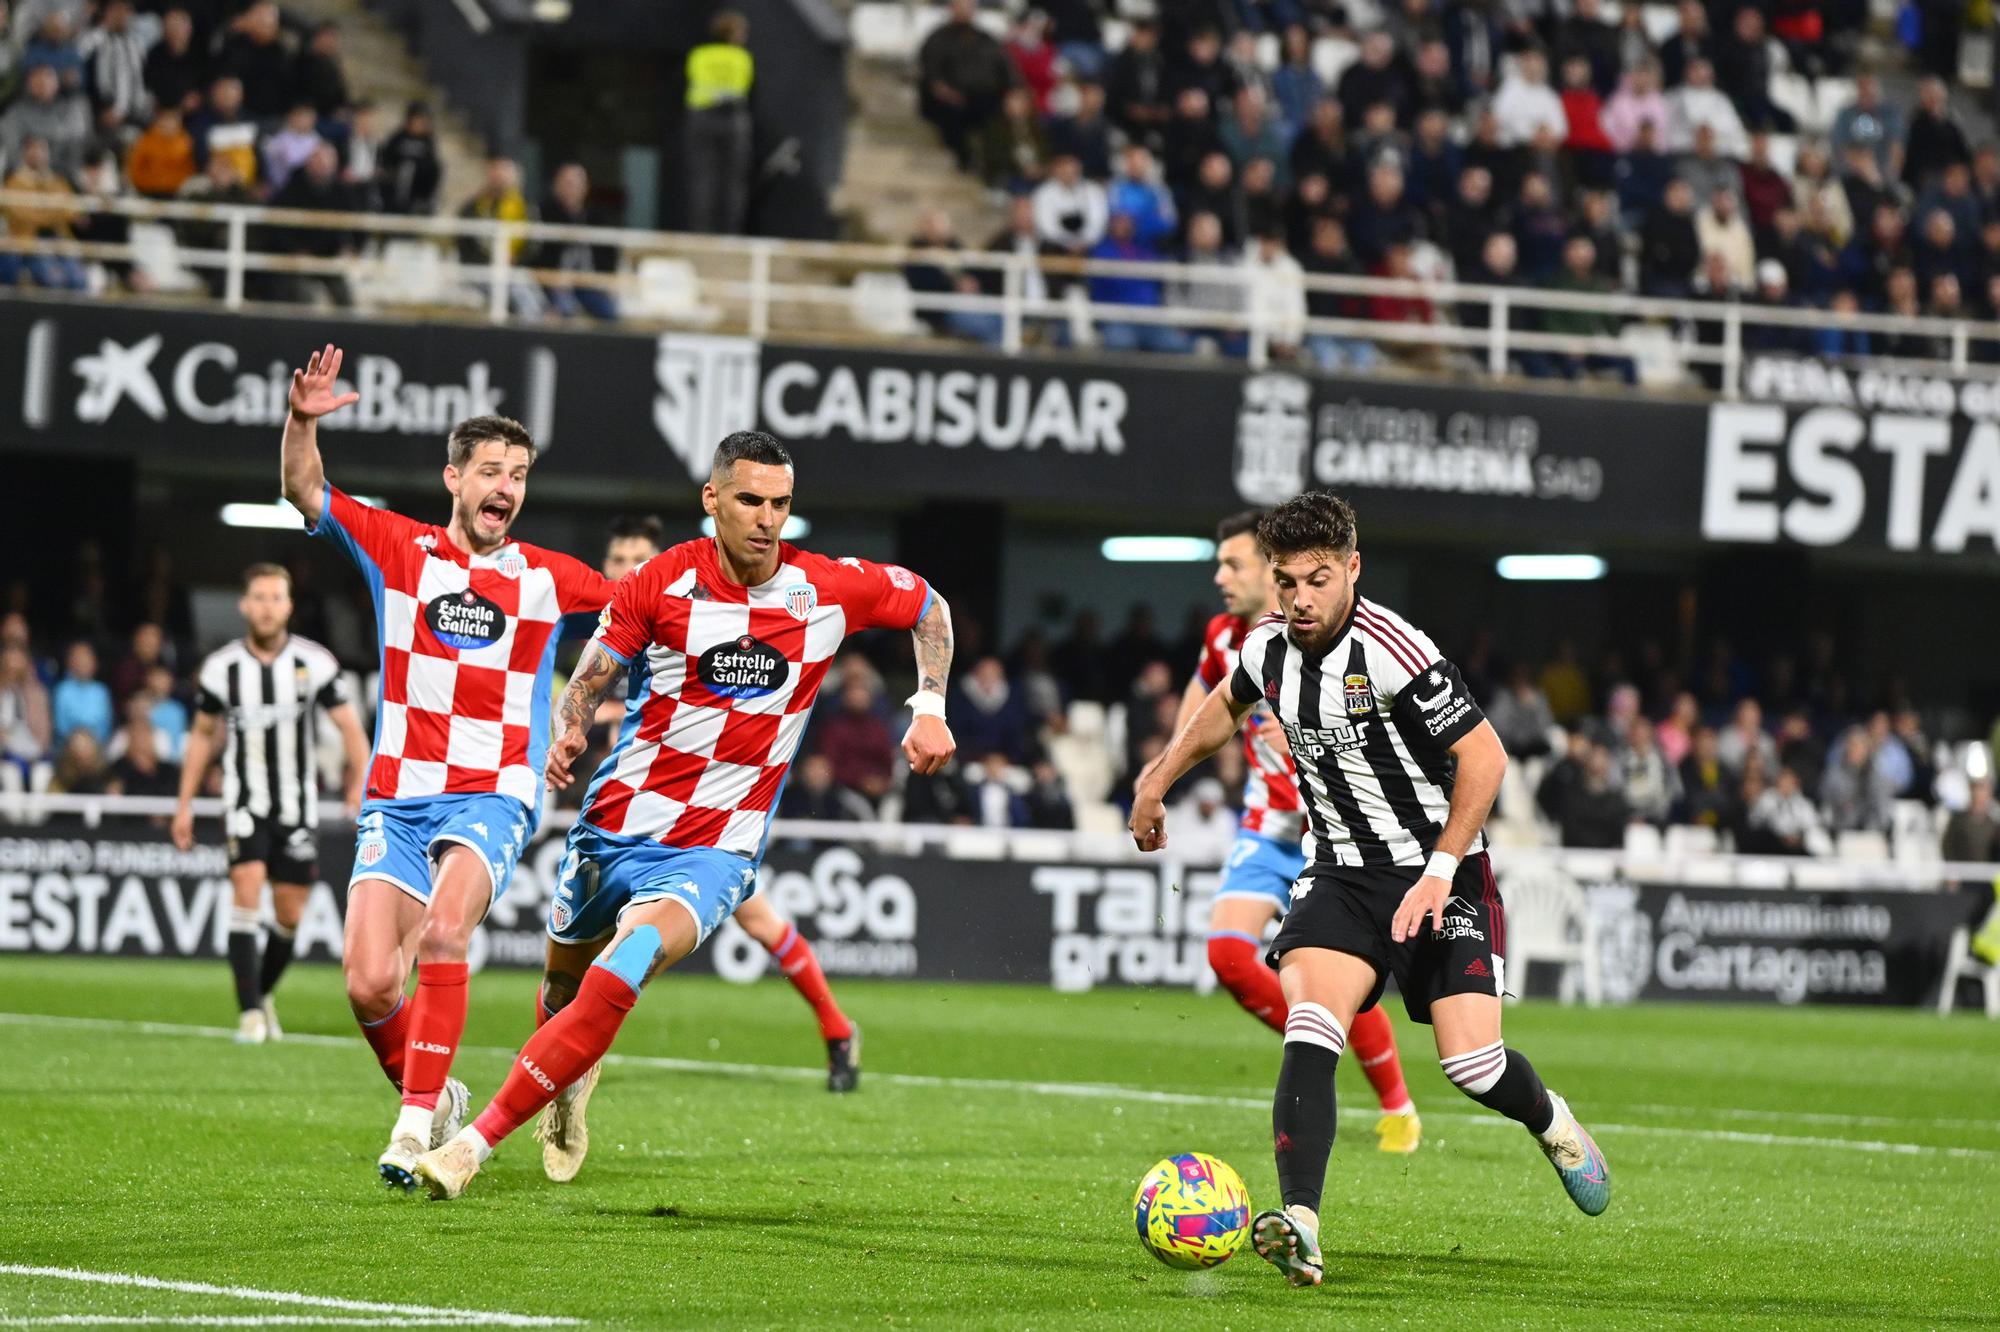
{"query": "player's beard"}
{"type": "Point", "coordinates": [467, 522]}
{"type": "Point", "coordinates": [1321, 638]}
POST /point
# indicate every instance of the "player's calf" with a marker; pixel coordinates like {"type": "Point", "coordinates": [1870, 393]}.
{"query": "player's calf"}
{"type": "Point", "coordinates": [1502, 1079]}
{"type": "Point", "coordinates": [1238, 963]}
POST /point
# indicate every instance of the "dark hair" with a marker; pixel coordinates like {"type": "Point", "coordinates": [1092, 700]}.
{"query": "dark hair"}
{"type": "Point", "coordinates": [266, 569]}
{"type": "Point", "coordinates": [749, 446]}
{"type": "Point", "coordinates": [1236, 524]}
{"type": "Point", "coordinates": [1316, 520]}
{"type": "Point", "coordinates": [647, 527]}
{"type": "Point", "coordinates": [470, 433]}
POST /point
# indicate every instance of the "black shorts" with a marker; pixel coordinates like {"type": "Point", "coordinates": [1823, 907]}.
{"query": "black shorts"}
{"type": "Point", "coordinates": [1349, 909]}
{"type": "Point", "coordinates": [290, 852]}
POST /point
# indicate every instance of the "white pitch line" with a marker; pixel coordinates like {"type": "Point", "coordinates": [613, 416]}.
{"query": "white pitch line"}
{"type": "Point", "coordinates": [1096, 1091]}
{"type": "Point", "coordinates": [429, 1313]}
{"type": "Point", "coordinates": [228, 1320]}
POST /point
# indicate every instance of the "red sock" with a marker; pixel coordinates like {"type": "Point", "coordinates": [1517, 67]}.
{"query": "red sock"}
{"type": "Point", "coordinates": [560, 1053]}
{"type": "Point", "coordinates": [1236, 961]}
{"type": "Point", "coordinates": [389, 1037]}
{"type": "Point", "coordinates": [437, 1020]}
{"type": "Point", "coordinates": [795, 958]}
{"type": "Point", "coordinates": [1373, 1041]}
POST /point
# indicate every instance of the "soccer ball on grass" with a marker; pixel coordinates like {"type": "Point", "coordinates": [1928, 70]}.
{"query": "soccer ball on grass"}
{"type": "Point", "coordinates": [1192, 1211]}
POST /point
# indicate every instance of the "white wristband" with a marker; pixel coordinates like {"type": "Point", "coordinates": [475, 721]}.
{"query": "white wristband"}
{"type": "Point", "coordinates": [926, 703]}
{"type": "Point", "coordinates": [1441, 866]}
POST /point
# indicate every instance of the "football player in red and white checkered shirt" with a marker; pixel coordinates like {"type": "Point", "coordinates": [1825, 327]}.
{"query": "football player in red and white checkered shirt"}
{"type": "Point", "coordinates": [467, 620]}
{"type": "Point", "coordinates": [732, 637]}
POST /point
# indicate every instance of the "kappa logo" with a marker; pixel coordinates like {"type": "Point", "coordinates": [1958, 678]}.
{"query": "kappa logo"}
{"type": "Point", "coordinates": [1300, 889]}
{"type": "Point", "coordinates": [114, 373]}
{"type": "Point", "coordinates": [480, 828]}
{"type": "Point", "coordinates": [427, 543]}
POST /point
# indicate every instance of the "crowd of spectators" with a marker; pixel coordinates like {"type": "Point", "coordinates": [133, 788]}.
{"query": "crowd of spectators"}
{"type": "Point", "coordinates": [1780, 755]}
{"type": "Point", "coordinates": [1527, 143]}
{"type": "Point", "coordinates": [223, 101]}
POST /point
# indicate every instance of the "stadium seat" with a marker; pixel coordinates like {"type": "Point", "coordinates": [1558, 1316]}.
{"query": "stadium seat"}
{"type": "Point", "coordinates": [1644, 843]}
{"type": "Point", "coordinates": [1833, 96]}
{"type": "Point", "coordinates": [670, 289]}
{"type": "Point", "coordinates": [1913, 834]}
{"type": "Point", "coordinates": [1330, 58]}
{"type": "Point", "coordinates": [1862, 846]}
{"type": "Point", "coordinates": [882, 304]}
{"type": "Point", "coordinates": [411, 272]}
{"type": "Point", "coordinates": [157, 254]}
{"type": "Point", "coordinates": [1960, 964]}
{"type": "Point", "coordinates": [1684, 841]}
{"type": "Point", "coordinates": [1793, 94]}
{"type": "Point", "coordinates": [1102, 819]}
{"type": "Point", "coordinates": [1662, 22]}
{"type": "Point", "coordinates": [1549, 921]}
{"type": "Point", "coordinates": [882, 31]}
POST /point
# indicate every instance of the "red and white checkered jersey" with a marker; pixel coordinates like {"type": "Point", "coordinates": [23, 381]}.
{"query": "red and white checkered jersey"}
{"type": "Point", "coordinates": [468, 652]}
{"type": "Point", "coordinates": [1271, 805]}
{"type": "Point", "coordinates": [726, 677]}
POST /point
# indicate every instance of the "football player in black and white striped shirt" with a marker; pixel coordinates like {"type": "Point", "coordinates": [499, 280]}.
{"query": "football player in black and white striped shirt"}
{"type": "Point", "coordinates": [257, 703]}
{"type": "Point", "coordinates": [1397, 769]}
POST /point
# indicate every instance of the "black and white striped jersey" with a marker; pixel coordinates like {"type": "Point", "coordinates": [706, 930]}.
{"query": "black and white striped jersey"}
{"type": "Point", "coordinates": [1371, 722]}
{"type": "Point", "coordinates": [267, 707]}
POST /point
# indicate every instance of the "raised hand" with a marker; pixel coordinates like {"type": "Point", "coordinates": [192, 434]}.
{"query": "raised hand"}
{"type": "Point", "coordinates": [313, 388]}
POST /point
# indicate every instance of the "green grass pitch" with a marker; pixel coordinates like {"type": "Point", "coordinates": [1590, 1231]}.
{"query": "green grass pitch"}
{"type": "Point", "coordinates": [1771, 1168]}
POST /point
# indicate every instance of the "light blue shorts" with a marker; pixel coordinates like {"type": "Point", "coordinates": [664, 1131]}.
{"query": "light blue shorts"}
{"type": "Point", "coordinates": [603, 873]}
{"type": "Point", "coordinates": [1262, 869]}
{"type": "Point", "coordinates": [401, 841]}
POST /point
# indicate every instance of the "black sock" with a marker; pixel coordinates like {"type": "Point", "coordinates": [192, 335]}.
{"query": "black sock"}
{"type": "Point", "coordinates": [277, 956]}
{"type": "Point", "coordinates": [1303, 1113]}
{"type": "Point", "coordinates": [243, 957]}
{"type": "Point", "coordinates": [1503, 1079]}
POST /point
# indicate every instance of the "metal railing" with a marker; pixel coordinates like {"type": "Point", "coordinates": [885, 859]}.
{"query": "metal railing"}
{"type": "Point", "coordinates": [768, 288]}
{"type": "Point", "coordinates": [29, 815]}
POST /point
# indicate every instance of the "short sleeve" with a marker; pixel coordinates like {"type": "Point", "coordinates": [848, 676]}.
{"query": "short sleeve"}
{"type": "Point", "coordinates": [880, 596]}
{"type": "Point", "coordinates": [579, 588]}
{"type": "Point", "coordinates": [1209, 668]}
{"type": "Point", "coordinates": [367, 536]}
{"type": "Point", "coordinates": [1246, 683]}
{"type": "Point", "coordinates": [1435, 710]}
{"type": "Point", "coordinates": [625, 626]}
{"type": "Point", "coordinates": [333, 693]}
{"type": "Point", "coordinates": [208, 701]}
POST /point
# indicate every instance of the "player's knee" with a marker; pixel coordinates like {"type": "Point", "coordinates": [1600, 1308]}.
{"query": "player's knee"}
{"type": "Point", "coordinates": [287, 913]}
{"type": "Point", "coordinates": [442, 940]}
{"type": "Point", "coordinates": [372, 991]}
{"type": "Point", "coordinates": [1476, 1071]}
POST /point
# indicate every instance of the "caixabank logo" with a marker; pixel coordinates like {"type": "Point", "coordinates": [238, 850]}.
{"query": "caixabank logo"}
{"type": "Point", "coordinates": [101, 379]}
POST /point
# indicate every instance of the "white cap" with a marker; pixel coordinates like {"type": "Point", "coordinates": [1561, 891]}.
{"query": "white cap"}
{"type": "Point", "coordinates": [1771, 273]}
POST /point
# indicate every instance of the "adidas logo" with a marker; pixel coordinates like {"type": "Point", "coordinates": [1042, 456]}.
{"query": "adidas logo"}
{"type": "Point", "coordinates": [1476, 967]}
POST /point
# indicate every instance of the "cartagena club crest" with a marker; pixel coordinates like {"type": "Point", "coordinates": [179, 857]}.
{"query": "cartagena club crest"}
{"type": "Point", "coordinates": [1360, 695]}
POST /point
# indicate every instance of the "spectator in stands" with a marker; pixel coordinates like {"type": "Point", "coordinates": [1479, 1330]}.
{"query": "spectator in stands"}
{"type": "Point", "coordinates": [318, 77]}
{"type": "Point", "coordinates": [27, 727]}
{"type": "Point", "coordinates": [1871, 123]}
{"type": "Point", "coordinates": [1585, 33]}
{"type": "Point", "coordinates": [1520, 715]}
{"type": "Point", "coordinates": [407, 167]}
{"type": "Point", "coordinates": [500, 200]}
{"type": "Point", "coordinates": [1500, 266]}
{"type": "Point", "coordinates": [44, 112]}
{"type": "Point", "coordinates": [141, 764]}
{"type": "Point", "coordinates": [1138, 192]}
{"type": "Point", "coordinates": [1070, 210]}
{"type": "Point", "coordinates": [1581, 794]}
{"type": "Point", "coordinates": [569, 205]}
{"type": "Point", "coordinates": [1722, 231]}
{"type": "Point", "coordinates": [1136, 86]}
{"type": "Point", "coordinates": [815, 795]}
{"type": "Point", "coordinates": [1085, 132]}
{"type": "Point", "coordinates": [1584, 140]}
{"type": "Point", "coordinates": [1951, 192]}
{"type": "Point", "coordinates": [934, 274]}
{"type": "Point", "coordinates": [317, 187]}
{"type": "Point", "coordinates": [80, 769]}
{"type": "Point", "coordinates": [54, 45]}
{"type": "Point", "coordinates": [1277, 292]}
{"type": "Point", "coordinates": [82, 701]}
{"type": "Point", "coordinates": [1020, 239]}
{"type": "Point", "coordinates": [13, 60]}
{"type": "Point", "coordinates": [1745, 741]}
{"type": "Point", "coordinates": [295, 140]}
{"type": "Point", "coordinates": [857, 743]}
{"type": "Point", "coordinates": [360, 157]}
{"type": "Point", "coordinates": [218, 184]}
{"type": "Point", "coordinates": [1743, 69]}
{"type": "Point", "coordinates": [1378, 76]}
{"type": "Point", "coordinates": [962, 73]}
{"type": "Point", "coordinates": [1296, 85]}
{"type": "Point", "coordinates": [1210, 292]}
{"type": "Point", "coordinates": [1526, 105]}
{"type": "Point", "coordinates": [1580, 274]}
{"type": "Point", "coordinates": [1122, 244]}
{"type": "Point", "coordinates": [1814, 182]}
{"type": "Point", "coordinates": [1199, 64]}
{"type": "Point", "coordinates": [1935, 140]}
{"type": "Point", "coordinates": [1012, 149]}
{"type": "Point", "coordinates": [1699, 102]}
{"type": "Point", "coordinates": [1564, 685]}
{"type": "Point", "coordinates": [1675, 732]}
{"type": "Point", "coordinates": [1651, 785]}
{"type": "Point", "coordinates": [1034, 57]}
{"type": "Point", "coordinates": [1971, 835]}
{"type": "Point", "coordinates": [1670, 245]}
{"type": "Point", "coordinates": [718, 129]}
{"type": "Point", "coordinates": [1321, 148]}
{"type": "Point", "coordinates": [1201, 826]}
{"type": "Point", "coordinates": [1763, 188]}
{"type": "Point", "coordinates": [1078, 36]}
{"type": "Point", "coordinates": [1330, 255]}
{"type": "Point", "coordinates": [114, 61]}
{"type": "Point", "coordinates": [1249, 134]}
{"type": "Point", "coordinates": [1191, 138]}
{"type": "Point", "coordinates": [169, 715]}
{"type": "Point", "coordinates": [54, 220]}
{"type": "Point", "coordinates": [1708, 790]}
{"type": "Point", "coordinates": [146, 650]}
{"type": "Point", "coordinates": [1689, 42]}
{"type": "Point", "coordinates": [1406, 307]}
{"type": "Point", "coordinates": [1706, 170]}
{"type": "Point", "coordinates": [1638, 102]}
{"type": "Point", "coordinates": [995, 803]}
{"type": "Point", "coordinates": [1383, 216]}
{"type": "Point", "coordinates": [255, 52]}
{"type": "Point", "coordinates": [225, 128]}
{"type": "Point", "coordinates": [1939, 250]}
{"type": "Point", "coordinates": [1432, 171]}
{"type": "Point", "coordinates": [1215, 191]}
{"type": "Point", "coordinates": [989, 716]}
{"type": "Point", "coordinates": [1855, 793]}
{"type": "Point", "coordinates": [176, 71]}
{"type": "Point", "coordinates": [1541, 228]}
{"type": "Point", "coordinates": [1783, 822]}
{"type": "Point", "coordinates": [1046, 801]}
{"type": "Point", "coordinates": [941, 797]}
{"type": "Point", "coordinates": [162, 159]}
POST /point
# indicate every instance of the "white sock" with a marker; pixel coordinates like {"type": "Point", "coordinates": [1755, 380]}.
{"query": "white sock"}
{"type": "Point", "coordinates": [414, 1121]}
{"type": "Point", "coordinates": [1305, 1216]}
{"type": "Point", "coordinates": [1558, 1128]}
{"type": "Point", "coordinates": [481, 1149]}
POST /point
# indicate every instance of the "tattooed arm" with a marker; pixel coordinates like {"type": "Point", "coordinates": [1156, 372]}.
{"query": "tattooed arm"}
{"type": "Point", "coordinates": [596, 674]}
{"type": "Point", "coordinates": [928, 744]}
